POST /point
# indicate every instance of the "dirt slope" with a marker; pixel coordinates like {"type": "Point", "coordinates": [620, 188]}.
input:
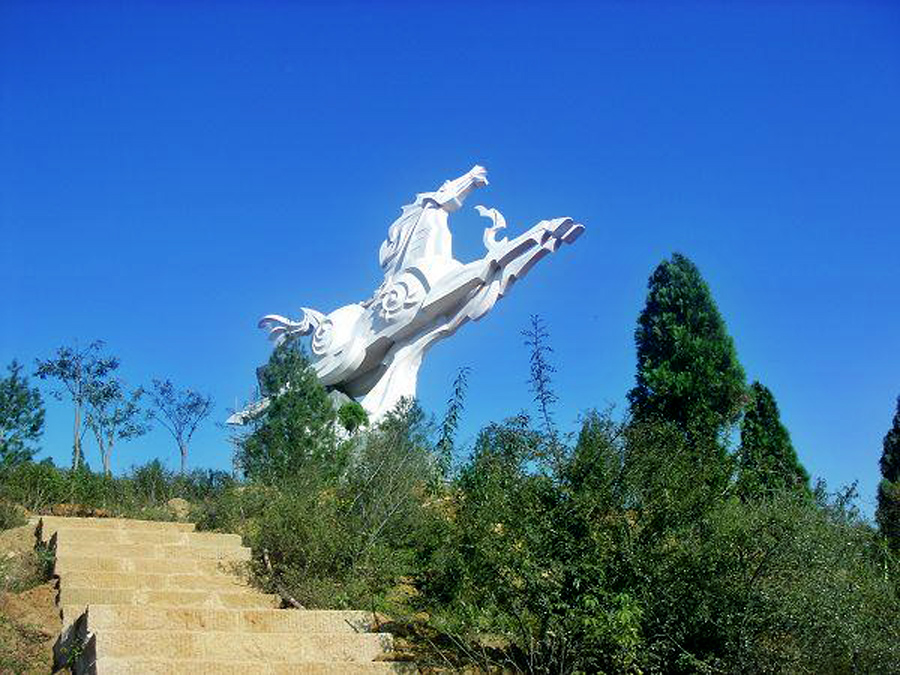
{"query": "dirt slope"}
{"type": "Point", "coordinates": [29, 618]}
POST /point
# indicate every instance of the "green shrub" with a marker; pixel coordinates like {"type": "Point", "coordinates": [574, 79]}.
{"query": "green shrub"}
{"type": "Point", "coordinates": [35, 486]}
{"type": "Point", "coordinates": [352, 416]}
{"type": "Point", "coordinates": [520, 563]}
{"type": "Point", "coordinates": [345, 530]}
{"type": "Point", "coordinates": [201, 484]}
{"type": "Point", "coordinates": [152, 483]}
{"type": "Point", "coordinates": [236, 508]}
{"type": "Point", "coordinates": [625, 553]}
{"type": "Point", "coordinates": [11, 516]}
{"type": "Point", "coordinates": [142, 493]}
{"type": "Point", "coordinates": [633, 559]}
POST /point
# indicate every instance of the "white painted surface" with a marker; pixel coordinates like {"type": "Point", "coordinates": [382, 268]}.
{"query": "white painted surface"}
{"type": "Point", "coordinates": [372, 350]}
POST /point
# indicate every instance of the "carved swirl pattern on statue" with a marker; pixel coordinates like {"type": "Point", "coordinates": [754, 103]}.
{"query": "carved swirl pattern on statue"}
{"type": "Point", "coordinates": [323, 337]}
{"type": "Point", "coordinates": [400, 294]}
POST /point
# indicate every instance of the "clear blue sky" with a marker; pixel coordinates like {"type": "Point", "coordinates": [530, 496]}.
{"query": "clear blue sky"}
{"type": "Point", "coordinates": [171, 171]}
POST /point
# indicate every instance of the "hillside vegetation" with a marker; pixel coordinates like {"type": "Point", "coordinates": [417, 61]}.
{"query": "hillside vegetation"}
{"type": "Point", "coordinates": [649, 542]}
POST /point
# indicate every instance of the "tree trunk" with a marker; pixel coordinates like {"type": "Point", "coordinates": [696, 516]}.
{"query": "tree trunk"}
{"type": "Point", "coordinates": [76, 443]}
{"type": "Point", "coordinates": [184, 449]}
{"type": "Point", "coordinates": [107, 455]}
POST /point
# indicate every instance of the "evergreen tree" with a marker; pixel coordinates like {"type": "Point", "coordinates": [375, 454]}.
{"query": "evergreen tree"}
{"type": "Point", "coordinates": [21, 416]}
{"type": "Point", "coordinates": [888, 511]}
{"type": "Point", "coordinates": [296, 427]}
{"type": "Point", "coordinates": [688, 371]}
{"type": "Point", "coordinates": [767, 461]}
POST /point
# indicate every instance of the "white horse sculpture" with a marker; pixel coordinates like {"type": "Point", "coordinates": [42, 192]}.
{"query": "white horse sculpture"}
{"type": "Point", "coordinates": [372, 350]}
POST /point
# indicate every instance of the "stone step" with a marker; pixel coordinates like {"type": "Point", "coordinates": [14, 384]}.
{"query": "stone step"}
{"type": "Point", "coordinates": [132, 666]}
{"type": "Point", "coordinates": [52, 523]}
{"type": "Point", "coordinates": [133, 617]}
{"type": "Point", "coordinates": [88, 548]}
{"type": "Point", "coordinates": [148, 597]}
{"type": "Point", "coordinates": [94, 563]}
{"type": "Point", "coordinates": [156, 537]}
{"type": "Point", "coordinates": [239, 599]}
{"type": "Point", "coordinates": [231, 646]}
{"type": "Point", "coordinates": [156, 582]}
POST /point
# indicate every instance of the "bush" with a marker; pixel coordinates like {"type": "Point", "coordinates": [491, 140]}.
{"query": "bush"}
{"type": "Point", "coordinates": [35, 486]}
{"type": "Point", "coordinates": [142, 493]}
{"type": "Point", "coordinates": [633, 559]}
{"type": "Point", "coordinates": [11, 516]}
{"type": "Point", "coordinates": [352, 416]}
{"type": "Point", "coordinates": [627, 552]}
{"type": "Point", "coordinates": [522, 563]}
{"type": "Point", "coordinates": [349, 527]}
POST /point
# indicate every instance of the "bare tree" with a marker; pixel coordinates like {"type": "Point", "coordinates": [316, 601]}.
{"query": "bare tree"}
{"type": "Point", "coordinates": [179, 411]}
{"type": "Point", "coordinates": [78, 370]}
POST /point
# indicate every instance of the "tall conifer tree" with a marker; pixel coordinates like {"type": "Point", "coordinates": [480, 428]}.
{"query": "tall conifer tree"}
{"type": "Point", "coordinates": [888, 511]}
{"type": "Point", "coordinates": [767, 461]}
{"type": "Point", "coordinates": [688, 371]}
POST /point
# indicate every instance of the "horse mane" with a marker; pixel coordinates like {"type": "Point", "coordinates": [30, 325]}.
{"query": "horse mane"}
{"type": "Point", "coordinates": [400, 230]}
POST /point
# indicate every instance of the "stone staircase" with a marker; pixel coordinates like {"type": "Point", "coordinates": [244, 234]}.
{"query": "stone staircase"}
{"type": "Point", "coordinates": [152, 597]}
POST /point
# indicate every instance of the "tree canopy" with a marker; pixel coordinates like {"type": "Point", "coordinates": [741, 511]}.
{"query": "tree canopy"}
{"type": "Point", "coordinates": [79, 370]}
{"type": "Point", "coordinates": [114, 414]}
{"type": "Point", "coordinates": [21, 416]}
{"type": "Point", "coordinates": [295, 427]}
{"type": "Point", "coordinates": [180, 411]}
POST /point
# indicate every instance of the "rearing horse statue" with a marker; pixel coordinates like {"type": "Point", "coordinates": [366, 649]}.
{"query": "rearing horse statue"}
{"type": "Point", "coordinates": [372, 350]}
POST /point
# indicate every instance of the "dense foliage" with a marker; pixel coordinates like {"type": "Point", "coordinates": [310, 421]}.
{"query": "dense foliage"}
{"type": "Point", "coordinates": [629, 562]}
{"type": "Point", "coordinates": [767, 461]}
{"type": "Point", "coordinates": [619, 552]}
{"type": "Point", "coordinates": [339, 530]}
{"type": "Point", "coordinates": [143, 492]}
{"type": "Point", "coordinates": [352, 417]}
{"type": "Point", "coordinates": [21, 416]}
{"type": "Point", "coordinates": [888, 512]}
{"type": "Point", "coordinates": [295, 427]}
{"type": "Point", "coordinates": [641, 545]}
{"type": "Point", "coordinates": [687, 366]}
